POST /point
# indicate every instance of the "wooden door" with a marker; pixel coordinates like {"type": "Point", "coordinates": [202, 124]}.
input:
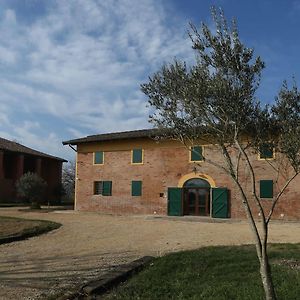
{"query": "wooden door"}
{"type": "Point", "coordinates": [196, 202]}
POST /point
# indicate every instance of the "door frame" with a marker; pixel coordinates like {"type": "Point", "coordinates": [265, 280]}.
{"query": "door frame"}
{"type": "Point", "coordinates": [208, 198]}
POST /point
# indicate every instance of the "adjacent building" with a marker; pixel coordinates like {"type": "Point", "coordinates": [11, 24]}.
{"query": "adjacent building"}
{"type": "Point", "coordinates": [16, 160]}
{"type": "Point", "coordinates": [132, 173]}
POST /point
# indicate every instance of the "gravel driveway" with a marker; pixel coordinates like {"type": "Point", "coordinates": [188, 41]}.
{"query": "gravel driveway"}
{"type": "Point", "coordinates": [89, 244]}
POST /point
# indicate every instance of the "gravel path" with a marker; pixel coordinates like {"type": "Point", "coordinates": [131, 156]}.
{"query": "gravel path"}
{"type": "Point", "coordinates": [89, 244]}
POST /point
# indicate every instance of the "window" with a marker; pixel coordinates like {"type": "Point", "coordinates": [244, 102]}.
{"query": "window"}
{"type": "Point", "coordinates": [99, 158]}
{"type": "Point", "coordinates": [102, 188]}
{"type": "Point", "coordinates": [266, 151]}
{"type": "Point", "coordinates": [266, 188]}
{"type": "Point", "coordinates": [136, 188]}
{"type": "Point", "coordinates": [137, 156]}
{"type": "Point", "coordinates": [98, 187]}
{"type": "Point", "coordinates": [196, 153]}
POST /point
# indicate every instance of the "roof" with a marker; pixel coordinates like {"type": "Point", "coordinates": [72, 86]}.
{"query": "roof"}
{"type": "Point", "coordinates": [143, 133]}
{"type": "Point", "coordinates": [11, 146]}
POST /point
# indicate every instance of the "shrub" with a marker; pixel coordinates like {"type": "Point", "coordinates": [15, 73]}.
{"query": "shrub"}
{"type": "Point", "coordinates": [31, 186]}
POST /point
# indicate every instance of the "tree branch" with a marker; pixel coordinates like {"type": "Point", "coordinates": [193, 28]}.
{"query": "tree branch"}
{"type": "Point", "coordinates": [278, 196]}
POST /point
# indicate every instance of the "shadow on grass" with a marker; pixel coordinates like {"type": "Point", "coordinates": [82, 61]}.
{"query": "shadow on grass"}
{"type": "Point", "coordinates": [211, 273]}
{"type": "Point", "coordinates": [31, 231]}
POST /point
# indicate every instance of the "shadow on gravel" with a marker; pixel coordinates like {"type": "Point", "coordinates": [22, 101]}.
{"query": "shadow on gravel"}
{"type": "Point", "coordinates": [56, 275]}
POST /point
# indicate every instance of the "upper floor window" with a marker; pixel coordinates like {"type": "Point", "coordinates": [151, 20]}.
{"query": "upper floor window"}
{"type": "Point", "coordinates": [196, 153]}
{"type": "Point", "coordinates": [266, 151]}
{"type": "Point", "coordinates": [137, 156]}
{"type": "Point", "coordinates": [98, 158]}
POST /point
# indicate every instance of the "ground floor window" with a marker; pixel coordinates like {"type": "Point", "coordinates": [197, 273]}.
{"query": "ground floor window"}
{"type": "Point", "coordinates": [103, 188]}
{"type": "Point", "coordinates": [136, 188]}
{"type": "Point", "coordinates": [266, 188]}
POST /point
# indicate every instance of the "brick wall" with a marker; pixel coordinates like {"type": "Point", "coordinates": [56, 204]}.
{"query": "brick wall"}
{"type": "Point", "coordinates": [165, 164]}
{"type": "Point", "coordinates": [17, 164]}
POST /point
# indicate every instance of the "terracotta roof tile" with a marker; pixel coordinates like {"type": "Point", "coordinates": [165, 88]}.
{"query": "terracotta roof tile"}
{"type": "Point", "coordinates": [114, 136]}
{"type": "Point", "coordinates": [11, 146]}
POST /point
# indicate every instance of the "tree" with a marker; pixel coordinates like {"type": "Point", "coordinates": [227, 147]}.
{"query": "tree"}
{"type": "Point", "coordinates": [68, 179]}
{"type": "Point", "coordinates": [31, 186]}
{"type": "Point", "coordinates": [214, 101]}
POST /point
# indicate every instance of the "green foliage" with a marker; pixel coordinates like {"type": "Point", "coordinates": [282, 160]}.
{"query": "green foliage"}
{"type": "Point", "coordinates": [286, 113]}
{"type": "Point", "coordinates": [213, 101]}
{"type": "Point", "coordinates": [32, 187]}
{"type": "Point", "coordinates": [213, 273]}
{"type": "Point", "coordinates": [215, 95]}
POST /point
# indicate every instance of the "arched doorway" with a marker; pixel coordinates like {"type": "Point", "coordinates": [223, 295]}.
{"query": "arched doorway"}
{"type": "Point", "coordinates": [196, 197]}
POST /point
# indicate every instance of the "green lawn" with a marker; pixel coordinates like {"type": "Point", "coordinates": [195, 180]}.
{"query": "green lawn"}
{"type": "Point", "coordinates": [215, 273]}
{"type": "Point", "coordinates": [12, 229]}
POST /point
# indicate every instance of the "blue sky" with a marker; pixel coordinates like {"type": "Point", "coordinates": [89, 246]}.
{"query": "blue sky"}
{"type": "Point", "coordinates": [73, 68]}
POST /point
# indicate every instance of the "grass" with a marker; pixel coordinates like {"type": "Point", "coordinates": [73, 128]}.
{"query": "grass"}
{"type": "Point", "coordinates": [13, 229]}
{"type": "Point", "coordinates": [215, 273]}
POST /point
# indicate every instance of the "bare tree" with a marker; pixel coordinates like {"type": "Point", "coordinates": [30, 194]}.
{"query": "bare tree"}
{"type": "Point", "coordinates": [68, 179]}
{"type": "Point", "coordinates": [214, 101]}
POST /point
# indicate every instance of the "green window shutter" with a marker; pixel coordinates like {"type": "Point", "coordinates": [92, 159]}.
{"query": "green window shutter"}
{"type": "Point", "coordinates": [266, 188]}
{"type": "Point", "coordinates": [266, 151]}
{"type": "Point", "coordinates": [137, 156]}
{"type": "Point", "coordinates": [107, 187]}
{"type": "Point", "coordinates": [136, 188]}
{"type": "Point", "coordinates": [98, 158]}
{"type": "Point", "coordinates": [220, 207]}
{"type": "Point", "coordinates": [174, 201]}
{"type": "Point", "coordinates": [196, 153]}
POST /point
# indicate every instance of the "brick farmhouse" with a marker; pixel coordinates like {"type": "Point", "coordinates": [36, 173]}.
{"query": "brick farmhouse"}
{"type": "Point", "coordinates": [16, 160]}
{"type": "Point", "coordinates": [132, 173]}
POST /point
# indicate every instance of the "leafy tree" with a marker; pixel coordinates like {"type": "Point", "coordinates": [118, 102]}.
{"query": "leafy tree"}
{"type": "Point", "coordinates": [214, 101]}
{"type": "Point", "coordinates": [31, 186]}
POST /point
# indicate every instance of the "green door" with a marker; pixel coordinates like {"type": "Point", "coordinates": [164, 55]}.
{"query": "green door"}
{"type": "Point", "coordinates": [174, 202]}
{"type": "Point", "coordinates": [219, 203]}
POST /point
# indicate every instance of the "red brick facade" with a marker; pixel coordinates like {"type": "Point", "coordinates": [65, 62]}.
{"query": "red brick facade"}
{"type": "Point", "coordinates": [13, 165]}
{"type": "Point", "coordinates": [165, 164]}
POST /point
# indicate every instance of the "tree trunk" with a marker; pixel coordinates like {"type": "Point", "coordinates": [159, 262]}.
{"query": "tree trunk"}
{"type": "Point", "coordinates": [266, 277]}
{"type": "Point", "coordinates": [35, 205]}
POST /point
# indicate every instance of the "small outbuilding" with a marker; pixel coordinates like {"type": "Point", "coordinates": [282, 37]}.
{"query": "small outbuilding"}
{"type": "Point", "coordinates": [16, 160]}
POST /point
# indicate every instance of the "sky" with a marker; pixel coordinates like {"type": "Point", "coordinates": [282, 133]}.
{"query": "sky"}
{"type": "Point", "coordinates": [71, 68]}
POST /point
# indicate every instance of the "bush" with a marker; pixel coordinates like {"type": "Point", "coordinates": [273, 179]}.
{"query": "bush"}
{"type": "Point", "coordinates": [32, 187]}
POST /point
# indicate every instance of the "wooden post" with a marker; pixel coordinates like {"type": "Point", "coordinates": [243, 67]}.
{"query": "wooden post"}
{"type": "Point", "coordinates": [19, 166]}
{"type": "Point", "coordinates": [2, 175]}
{"type": "Point", "coordinates": [38, 166]}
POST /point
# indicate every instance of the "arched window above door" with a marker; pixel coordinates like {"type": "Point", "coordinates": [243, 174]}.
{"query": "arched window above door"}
{"type": "Point", "coordinates": [196, 182]}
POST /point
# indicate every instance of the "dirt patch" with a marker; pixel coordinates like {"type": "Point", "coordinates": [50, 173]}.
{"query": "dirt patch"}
{"type": "Point", "coordinates": [290, 263]}
{"type": "Point", "coordinates": [90, 244]}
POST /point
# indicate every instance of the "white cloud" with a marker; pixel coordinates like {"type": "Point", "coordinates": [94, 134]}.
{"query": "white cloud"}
{"type": "Point", "coordinates": [82, 63]}
{"type": "Point", "coordinates": [10, 17]}
{"type": "Point", "coordinates": [29, 135]}
{"type": "Point", "coordinates": [7, 56]}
